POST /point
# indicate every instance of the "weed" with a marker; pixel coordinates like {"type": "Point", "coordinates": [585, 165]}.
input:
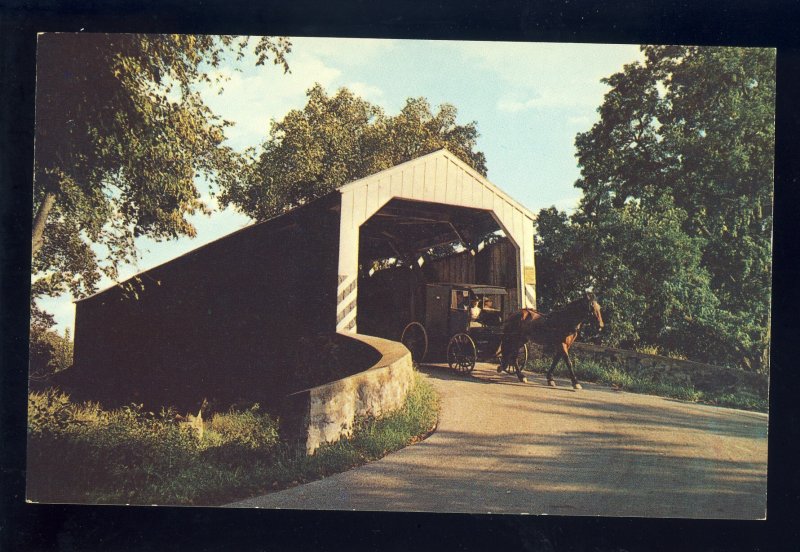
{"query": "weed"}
{"type": "Point", "coordinates": [84, 454]}
{"type": "Point", "coordinates": [609, 373]}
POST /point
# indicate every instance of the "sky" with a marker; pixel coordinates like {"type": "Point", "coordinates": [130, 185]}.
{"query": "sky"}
{"type": "Point", "coordinates": [529, 101]}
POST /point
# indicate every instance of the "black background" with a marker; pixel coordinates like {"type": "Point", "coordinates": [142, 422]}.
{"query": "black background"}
{"type": "Point", "coordinates": [68, 528]}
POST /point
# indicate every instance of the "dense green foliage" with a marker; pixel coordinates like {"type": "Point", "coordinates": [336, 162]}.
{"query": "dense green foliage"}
{"type": "Point", "coordinates": [336, 139]}
{"type": "Point", "coordinates": [673, 231]}
{"type": "Point", "coordinates": [122, 134]}
{"type": "Point", "coordinates": [84, 454]}
{"type": "Point", "coordinates": [49, 352]}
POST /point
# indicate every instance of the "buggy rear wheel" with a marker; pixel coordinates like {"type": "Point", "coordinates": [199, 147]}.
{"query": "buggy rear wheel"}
{"type": "Point", "coordinates": [415, 339]}
{"type": "Point", "coordinates": [462, 353]}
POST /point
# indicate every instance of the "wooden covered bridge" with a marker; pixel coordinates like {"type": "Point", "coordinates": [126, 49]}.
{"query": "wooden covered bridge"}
{"type": "Point", "coordinates": [226, 317]}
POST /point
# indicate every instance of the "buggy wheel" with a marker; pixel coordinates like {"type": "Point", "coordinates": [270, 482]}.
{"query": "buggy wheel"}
{"type": "Point", "coordinates": [415, 339]}
{"type": "Point", "coordinates": [462, 353]}
{"type": "Point", "coordinates": [519, 361]}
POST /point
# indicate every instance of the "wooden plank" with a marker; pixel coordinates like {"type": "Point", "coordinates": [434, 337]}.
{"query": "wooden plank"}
{"type": "Point", "coordinates": [477, 194]}
{"type": "Point", "coordinates": [419, 182]}
{"type": "Point", "coordinates": [359, 206]}
{"type": "Point", "coordinates": [440, 184]}
{"type": "Point", "coordinates": [519, 234]}
{"type": "Point", "coordinates": [384, 190]}
{"type": "Point", "coordinates": [497, 207]}
{"type": "Point", "coordinates": [429, 192]}
{"type": "Point", "coordinates": [451, 183]}
{"type": "Point", "coordinates": [487, 198]}
{"type": "Point", "coordinates": [396, 183]}
{"type": "Point", "coordinates": [347, 209]}
{"type": "Point", "coordinates": [372, 198]}
{"type": "Point", "coordinates": [407, 183]}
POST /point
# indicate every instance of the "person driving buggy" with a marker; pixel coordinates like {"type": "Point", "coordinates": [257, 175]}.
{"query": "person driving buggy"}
{"type": "Point", "coordinates": [474, 314]}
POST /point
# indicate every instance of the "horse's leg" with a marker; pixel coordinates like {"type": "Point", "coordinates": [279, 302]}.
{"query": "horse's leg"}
{"type": "Point", "coordinates": [504, 348]}
{"type": "Point", "coordinates": [575, 383]}
{"type": "Point", "coordinates": [517, 368]}
{"type": "Point", "coordinates": [550, 381]}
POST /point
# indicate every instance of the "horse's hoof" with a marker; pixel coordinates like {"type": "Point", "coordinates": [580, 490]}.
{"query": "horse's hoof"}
{"type": "Point", "coordinates": [576, 386]}
{"type": "Point", "coordinates": [500, 369]}
{"type": "Point", "coordinates": [551, 383]}
{"type": "Point", "coordinates": [523, 379]}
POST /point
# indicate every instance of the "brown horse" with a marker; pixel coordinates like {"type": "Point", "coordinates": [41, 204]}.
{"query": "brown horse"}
{"type": "Point", "coordinates": [555, 332]}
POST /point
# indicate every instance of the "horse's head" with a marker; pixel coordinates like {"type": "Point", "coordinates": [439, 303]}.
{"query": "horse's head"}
{"type": "Point", "coordinates": [594, 308]}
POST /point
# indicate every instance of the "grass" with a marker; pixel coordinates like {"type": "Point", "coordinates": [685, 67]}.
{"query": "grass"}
{"type": "Point", "coordinates": [82, 453]}
{"type": "Point", "coordinates": [609, 374]}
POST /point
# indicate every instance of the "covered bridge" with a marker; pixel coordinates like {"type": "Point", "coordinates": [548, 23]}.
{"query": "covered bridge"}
{"type": "Point", "coordinates": [228, 318]}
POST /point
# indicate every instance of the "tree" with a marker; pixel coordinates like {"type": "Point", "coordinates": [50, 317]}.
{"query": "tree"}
{"type": "Point", "coordinates": [688, 136]}
{"type": "Point", "coordinates": [336, 139]}
{"type": "Point", "coordinates": [122, 134]}
{"type": "Point", "coordinates": [559, 272]}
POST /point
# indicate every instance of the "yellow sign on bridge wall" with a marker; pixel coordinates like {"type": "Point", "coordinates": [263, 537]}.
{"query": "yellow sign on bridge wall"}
{"type": "Point", "coordinates": [530, 275]}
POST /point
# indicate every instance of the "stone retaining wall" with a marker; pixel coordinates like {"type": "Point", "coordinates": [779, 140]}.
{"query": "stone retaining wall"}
{"type": "Point", "coordinates": [326, 413]}
{"type": "Point", "coordinates": [703, 377]}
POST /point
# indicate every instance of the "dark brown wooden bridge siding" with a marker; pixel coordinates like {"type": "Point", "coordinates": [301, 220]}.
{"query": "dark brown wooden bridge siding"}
{"type": "Point", "coordinates": [495, 265]}
{"type": "Point", "coordinates": [383, 300]}
{"type": "Point", "coordinates": [221, 320]}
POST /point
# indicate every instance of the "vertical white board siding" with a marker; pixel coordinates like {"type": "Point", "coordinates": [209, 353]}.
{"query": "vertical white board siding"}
{"type": "Point", "coordinates": [453, 194]}
{"type": "Point", "coordinates": [384, 189]}
{"type": "Point", "coordinates": [348, 238]}
{"type": "Point", "coordinates": [451, 184]}
{"type": "Point", "coordinates": [469, 191]}
{"type": "Point", "coordinates": [497, 207]}
{"type": "Point", "coordinates": [462, 195]}
{"type": "Point", "coordinates": [527, 237]}
{"type": "Point", "coordinates": [477, 193]}
{"type": "Point", "coordinates": [487, 198]}
{"type": "Point", "coordinates": [518, 226]}
{"type": "Point", "coordinates": [359, 205]}
{"type": "Point", "coordinates": [508, 219]}
{"type": "Point", "coordinates": [346, 211]}
{"type": "Point", "coordinates": [430, 180]}
{"type": "Point", "coordinates": [440, 184]}
{"type": "Point", "coordinates": [419, 182]}
{"type": "Point", "coordinates": [396, 187]}
{"type": "Point", "coordinates": [372, 198]}
{"type": "Point", "coordinates": [406, 183]}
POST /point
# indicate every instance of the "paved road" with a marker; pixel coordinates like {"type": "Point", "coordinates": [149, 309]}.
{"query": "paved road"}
{"type": "Point", "coordinates": [506, 447]}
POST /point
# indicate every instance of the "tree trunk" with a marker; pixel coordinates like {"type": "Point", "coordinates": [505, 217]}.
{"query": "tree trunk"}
{"type": "Point", "coordinates": [39, 222]}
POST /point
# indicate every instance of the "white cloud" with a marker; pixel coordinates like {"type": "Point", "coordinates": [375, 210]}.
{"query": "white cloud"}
{"type": "Point", "coordinates": [548, 75]}
{"type": "Point", "coordinates": [369, 92]}
{"type": "Point", "coordinates": [254, 96]}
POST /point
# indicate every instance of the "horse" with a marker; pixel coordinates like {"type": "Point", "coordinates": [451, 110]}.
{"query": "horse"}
{"type": "Point", "coordinates": [554, 332]}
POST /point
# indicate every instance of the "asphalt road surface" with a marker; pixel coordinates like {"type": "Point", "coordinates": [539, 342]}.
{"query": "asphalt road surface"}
{"type": "Point", "coordinates": [506, 447]}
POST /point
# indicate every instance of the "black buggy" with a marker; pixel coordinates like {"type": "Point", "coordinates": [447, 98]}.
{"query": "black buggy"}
{"type": "Point", "coordinates": [464, 322]}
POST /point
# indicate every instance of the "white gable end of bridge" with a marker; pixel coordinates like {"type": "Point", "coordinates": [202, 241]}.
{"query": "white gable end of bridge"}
{"type": "Point", "coordinates": [439, 177]}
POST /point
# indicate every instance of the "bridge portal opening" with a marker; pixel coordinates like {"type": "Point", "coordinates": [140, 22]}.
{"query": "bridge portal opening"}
{"type": "Point", "coordinates": [408, 244]}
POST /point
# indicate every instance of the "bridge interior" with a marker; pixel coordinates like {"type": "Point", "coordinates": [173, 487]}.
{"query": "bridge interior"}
{"type": "Point", "coordinates": [400, 248]}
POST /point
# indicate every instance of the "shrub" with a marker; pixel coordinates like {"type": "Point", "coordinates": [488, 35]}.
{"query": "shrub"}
{"type": "Point", "coordinates": [249, 429]}
{"type": "Point", "coordinates": [82, 453]}
{"type": "Point", "coordinates": [49, 352]}
{"type": "Point", "coordinates": [665, 385]}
